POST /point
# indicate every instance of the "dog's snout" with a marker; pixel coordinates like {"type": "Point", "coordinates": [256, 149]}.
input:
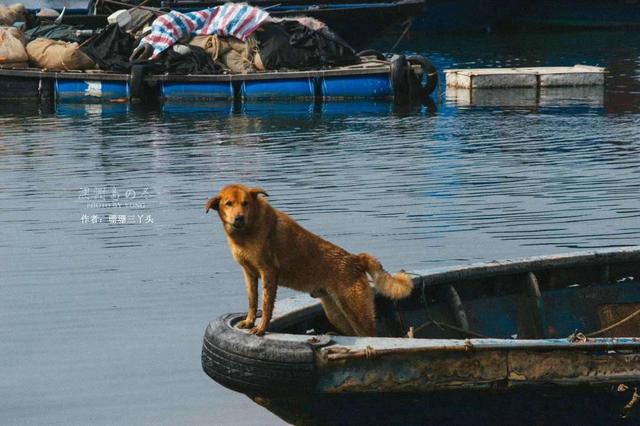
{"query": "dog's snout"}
{"type": "Point", "coordinates": [238, 221]}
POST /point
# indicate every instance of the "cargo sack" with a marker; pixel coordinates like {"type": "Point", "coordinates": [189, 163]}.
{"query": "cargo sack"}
{"type": "Point", "coordinates": [17, 33]}
{"type": "Point", "coordinates": [12, 51]}
{"type": "Point", "coordinates": [229, 52]}
{"type": "Point", "coordinates": [11, 14]}
{"type": "Point", "coordinates": [58, 55]}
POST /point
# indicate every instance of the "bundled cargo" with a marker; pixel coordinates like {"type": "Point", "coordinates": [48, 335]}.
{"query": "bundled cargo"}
{"type": "Point", "coordinates": [12, 51]}
{"type": "Point", "coordinates": [58, 55]}
{"type": "Point", "coordinates": [12, 14]}
{"type": "Point", "coordinates": [229, 20]}
{"type": "Point", "coordinates": [232, 51]}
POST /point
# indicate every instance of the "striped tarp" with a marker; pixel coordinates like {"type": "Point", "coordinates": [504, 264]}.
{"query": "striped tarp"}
{"type": "Point", "coordinates": [237, 20]}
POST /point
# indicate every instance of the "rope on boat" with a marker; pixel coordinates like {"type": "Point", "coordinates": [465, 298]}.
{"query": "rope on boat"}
{"type": "Point", "coordinates": [369, 352]}
{"type": "Point", "coordinates": [407, 26]}
{"type": "Point", "coordinates": [576, 336]}
{"type": "Point", "coordinates": [626, 410]}
{"type": "Point", "coordinates": [614, 325]}
{"type": "Point", "coordinates": [413, 331]}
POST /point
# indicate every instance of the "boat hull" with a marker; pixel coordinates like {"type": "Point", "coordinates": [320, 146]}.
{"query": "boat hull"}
{"type": "Point", "coordinates": [551, 374]}
{"type": "Point", "coordinates": [296, 380]}
{"type": "Point", "coordinates": [370, 81]}
{"type": "Point", "coordinates": [540, 405]}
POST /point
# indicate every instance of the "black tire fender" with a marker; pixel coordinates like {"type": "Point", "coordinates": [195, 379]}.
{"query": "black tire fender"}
{"type": "Point", "coordinates": [429, 70]}
{"type": "Point", "coordinates": [254, 365]}
{"type": "Point", "coordinates": [399, 76]}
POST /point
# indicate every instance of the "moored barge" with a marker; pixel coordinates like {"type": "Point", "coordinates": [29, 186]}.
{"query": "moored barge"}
{"type": "Point", "coordinates": [397, 79]}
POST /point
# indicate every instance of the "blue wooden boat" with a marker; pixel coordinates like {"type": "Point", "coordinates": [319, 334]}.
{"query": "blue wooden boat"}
{"type": "Point", "coordinates": [398, 79]}
{"type": "Point", "coordinates": [544, 340]}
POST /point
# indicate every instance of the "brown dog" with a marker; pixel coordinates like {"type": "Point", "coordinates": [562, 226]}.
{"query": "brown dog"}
{"type": "Point", "coordinates": [271, 246]}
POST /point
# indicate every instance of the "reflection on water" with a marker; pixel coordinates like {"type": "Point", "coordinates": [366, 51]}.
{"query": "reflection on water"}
{"type": "Point", "coordinates": [110, 268]}
{"type": "Point", "coordinates": [589, 97]}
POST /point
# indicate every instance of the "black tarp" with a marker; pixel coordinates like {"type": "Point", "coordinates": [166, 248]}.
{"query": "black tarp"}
{"type": "Point", "coordinates": [111, 48]}
{"type": "Point", "coordinates": [292, 45]}
{"type": "Point", "coordinates": [196, 61]}
{"type": "Point", "coordinates": [53, 32]}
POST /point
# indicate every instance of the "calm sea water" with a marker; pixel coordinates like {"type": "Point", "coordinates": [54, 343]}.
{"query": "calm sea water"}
{"type": "Point", "coordinates": [103, 305]}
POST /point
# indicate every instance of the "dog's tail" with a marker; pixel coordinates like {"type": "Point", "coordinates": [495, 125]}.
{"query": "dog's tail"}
{"type": "Point", "coordinates": [397, 286]}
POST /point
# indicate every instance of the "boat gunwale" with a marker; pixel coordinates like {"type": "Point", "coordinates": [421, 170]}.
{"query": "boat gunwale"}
{"type": "Point", "coordinates": [294, 309]}
{"type": "Point", "coordinates": [96, 75]}
{"type": "Point", "coordinates": [272, 75]}
{"type": "Point", "coordinates": [335, 347]}
{"type": "Point", "coordinates": [524, 265]}
{"type": "Point", "coordinates": [68, 75]}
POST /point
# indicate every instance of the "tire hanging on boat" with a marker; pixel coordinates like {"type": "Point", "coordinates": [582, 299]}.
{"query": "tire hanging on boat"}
{"type": "Point", "coordinates": [429, 70]}
{"type": "Point", "coordinates": [136, 81]}
{"type": "Point", "coordinates": [399, 75]}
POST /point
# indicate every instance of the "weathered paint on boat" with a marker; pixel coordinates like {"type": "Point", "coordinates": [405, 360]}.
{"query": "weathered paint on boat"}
{"type": "Point", "coordinates": [67, 90]}
{"type": "Point", "coordinates": [329, 379]}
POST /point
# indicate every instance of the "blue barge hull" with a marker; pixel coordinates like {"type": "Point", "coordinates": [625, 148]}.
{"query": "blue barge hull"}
{"type": "Point", "coordinates": [355, 82]}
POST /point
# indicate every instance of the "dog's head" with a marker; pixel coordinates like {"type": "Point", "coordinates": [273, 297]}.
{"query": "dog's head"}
{"type": "Point", "coordinates": [237, 206]}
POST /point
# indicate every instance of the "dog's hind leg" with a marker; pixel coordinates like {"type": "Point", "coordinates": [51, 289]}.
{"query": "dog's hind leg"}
{"type": "Point", "coordinates": [356, 303]}
{"type": "Point", "coordinates": [335, 316]}
{"type": "Point", "coordinates": [251, 282]}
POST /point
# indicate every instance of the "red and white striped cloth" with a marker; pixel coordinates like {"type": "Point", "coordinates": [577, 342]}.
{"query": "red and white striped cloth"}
{"type": "Point", "coordinates": [237, 20]}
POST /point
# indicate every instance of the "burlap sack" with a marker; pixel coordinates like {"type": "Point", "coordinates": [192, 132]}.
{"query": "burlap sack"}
{"type": "Point", "coordinates": [58, 55]}
{"type": "Point", "coordinates": [17, 33]}
{"type": "Point", "coordinates": [233, 54]}
{"type": "Point", "coordinates": [209, 43]}
{"type": "Point", "coordinates": [11, 14]}
{"type": "Point", "coordinates": [12, 52]}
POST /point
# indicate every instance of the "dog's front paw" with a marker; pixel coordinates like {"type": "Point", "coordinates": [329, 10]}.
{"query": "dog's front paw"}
{"type": "Point", "coordinates": [247, 323]}
{"type": "Point", "coordinates": [258, 331]}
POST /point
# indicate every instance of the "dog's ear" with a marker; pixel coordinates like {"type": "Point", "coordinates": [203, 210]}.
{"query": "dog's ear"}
{"type": "Point", "coordinates": [212, 203]}
{"type": "Point", "coordinates": [257, 191]}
